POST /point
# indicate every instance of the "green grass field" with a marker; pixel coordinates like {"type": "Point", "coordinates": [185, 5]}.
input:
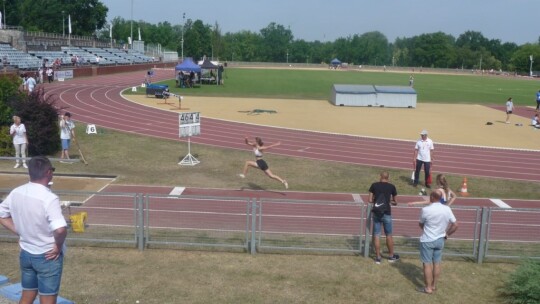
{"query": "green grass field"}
{"type": "Point", "coordinates": [317, 84]}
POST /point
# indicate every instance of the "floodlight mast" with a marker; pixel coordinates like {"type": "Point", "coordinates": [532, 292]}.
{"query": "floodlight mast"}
{"type": "Point", "coordinates": [183, 25]}
{"type": "Point", "coordinates": [530, 68]}
{"type": "Point", "coordinates": [131, 33]}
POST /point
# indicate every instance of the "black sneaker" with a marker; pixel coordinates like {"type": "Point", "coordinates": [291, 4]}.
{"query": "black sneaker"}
{"type": "Point", "coordinates": [393, 258]}
{"type": "Point", "coordinates": [378, 260]}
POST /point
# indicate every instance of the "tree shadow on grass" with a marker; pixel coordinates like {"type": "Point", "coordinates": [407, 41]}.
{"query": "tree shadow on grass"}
{"type": "Point", "coordinates": [412, 272]}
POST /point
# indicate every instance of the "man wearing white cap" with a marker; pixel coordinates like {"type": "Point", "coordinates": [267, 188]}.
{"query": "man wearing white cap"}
{"type": "Point", "coordinates": [423, 155]}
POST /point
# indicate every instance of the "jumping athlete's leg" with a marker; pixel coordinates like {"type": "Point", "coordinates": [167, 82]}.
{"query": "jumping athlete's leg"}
{"type": "Point", "coordinates": [273, 176]}
{"type": "Point", "coordinates": [249, 163]}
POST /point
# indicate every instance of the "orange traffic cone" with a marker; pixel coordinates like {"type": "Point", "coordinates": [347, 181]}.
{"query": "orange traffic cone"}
{"type": "Point", "coordinates": [463, 191]}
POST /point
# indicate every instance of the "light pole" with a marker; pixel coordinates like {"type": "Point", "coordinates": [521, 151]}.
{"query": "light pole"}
{"type": "Point", "coordinates": [63, 25]}
{"type": "Point", "coordinates": [183, 25]}
{"type": "Point", "coordinates": [131, 34]}
{"type": "Point", "coordinates": [4, 14]}
{"type": "Point", "coordinates": [110, 32]}
{"type": "Point", "coordinates": [212, 41]}
{"type": "Point", "coordinates": [287, 55]}
{"type": "Point", "coordinates": [530, 68]}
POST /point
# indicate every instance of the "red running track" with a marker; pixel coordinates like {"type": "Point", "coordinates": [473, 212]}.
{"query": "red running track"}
{"type": "Point", "coordinates": [97, 100]}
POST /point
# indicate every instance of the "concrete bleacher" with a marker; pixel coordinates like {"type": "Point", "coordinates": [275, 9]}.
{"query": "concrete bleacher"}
{"type": "Point", "coordinates": [51, 56]}
{"type": "Point", "coordinates": [13, 57]}
{"type": "Point", "coordinates": [107, 55]}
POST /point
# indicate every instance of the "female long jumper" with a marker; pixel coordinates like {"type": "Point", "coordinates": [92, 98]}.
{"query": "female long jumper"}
{"type": "Point", "coordinates": [258, 148]}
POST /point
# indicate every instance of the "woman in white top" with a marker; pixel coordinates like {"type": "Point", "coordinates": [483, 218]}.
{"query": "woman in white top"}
{"type": "Point", "coordinates": [20, 141]}
{"type": "Point", "coordinates": [509, 109]}
{"type": "Point", "coordinates": [258, 148]}
{"type": "Point", "coordinates": [448, 196]}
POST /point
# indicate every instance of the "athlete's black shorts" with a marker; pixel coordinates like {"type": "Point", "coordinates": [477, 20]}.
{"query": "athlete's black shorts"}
{"type": "Point", "coordinates": [262, 164]}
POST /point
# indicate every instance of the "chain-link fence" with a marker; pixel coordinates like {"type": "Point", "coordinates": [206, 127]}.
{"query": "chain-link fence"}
{"type": "Point", "coordinates": [268, 225]}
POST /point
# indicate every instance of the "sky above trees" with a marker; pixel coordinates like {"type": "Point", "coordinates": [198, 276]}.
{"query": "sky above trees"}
{"type": "Point", "coordinates": [509, 21]}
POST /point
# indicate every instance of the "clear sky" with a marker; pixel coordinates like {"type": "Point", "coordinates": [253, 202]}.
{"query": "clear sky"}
{"type": "Point", "coordinates": [508, 20]}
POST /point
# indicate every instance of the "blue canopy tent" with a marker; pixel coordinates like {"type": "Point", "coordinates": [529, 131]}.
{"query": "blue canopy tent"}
{"type": "Point", "coordinates": [188, 66]}
{"type": "Point", "coordinates": [335, 63]}
{"type": "Point", "coordinates": [183, 71]}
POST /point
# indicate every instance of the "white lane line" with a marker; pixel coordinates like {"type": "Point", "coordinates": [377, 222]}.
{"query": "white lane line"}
{"type": "Point", "coordinates": [357, 198]}
{"type": "Point", "coordinates": [500, 203]}
{"type": "Point", "coordinates": [177, 191]}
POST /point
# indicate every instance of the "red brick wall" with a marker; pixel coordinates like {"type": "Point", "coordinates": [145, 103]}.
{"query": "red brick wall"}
{"type": "Point", "coordinates": [106, 70]}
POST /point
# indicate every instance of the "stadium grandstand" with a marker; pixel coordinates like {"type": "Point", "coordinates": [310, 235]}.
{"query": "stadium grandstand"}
{"type": "Point", "coordinates": [23, 50]}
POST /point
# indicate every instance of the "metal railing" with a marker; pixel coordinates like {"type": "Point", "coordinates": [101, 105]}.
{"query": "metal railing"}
{"type": "Point", "coordinates": [269, 225]}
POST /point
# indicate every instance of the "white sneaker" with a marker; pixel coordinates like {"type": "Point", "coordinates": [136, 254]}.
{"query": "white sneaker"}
{"type": "Point", "coordinates": [25, 166]}
{"type": "Point", "coordinates": [241, 175]}
{"type": "Point", "coordinates": [17, 165]}
{"type": "Point", "coordinates": [286, 184]}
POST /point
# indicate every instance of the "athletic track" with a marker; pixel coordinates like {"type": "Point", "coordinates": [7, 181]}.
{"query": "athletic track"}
{"type": "Point", "coordinates": [97, 100]}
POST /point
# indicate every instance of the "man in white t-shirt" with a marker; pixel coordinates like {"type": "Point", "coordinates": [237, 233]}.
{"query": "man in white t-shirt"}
{"type": "Point", "coordinates": [30, 83]}
{"type": "Point", "coordinates": [423, 156]}
{"type": "Point", "coordinates": [437, 222]}
{"type": "Point", "coordinates": [67, 132]}
{"type": "Point", "coordinates": [33, 213]}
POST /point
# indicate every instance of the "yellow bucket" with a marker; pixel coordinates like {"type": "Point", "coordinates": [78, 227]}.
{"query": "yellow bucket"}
{"type": "Point", "coordinates": [78, 221]}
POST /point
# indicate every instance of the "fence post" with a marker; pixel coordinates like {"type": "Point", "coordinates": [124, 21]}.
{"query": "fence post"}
{"type": "Point", "coordinates": [140, 221]}
{"type": "Point", "coordinates": [253, 249]}
{"type": "Point", "coordinates": [367, 235]}
{"type": "Point", "coordinates": [482, 239]}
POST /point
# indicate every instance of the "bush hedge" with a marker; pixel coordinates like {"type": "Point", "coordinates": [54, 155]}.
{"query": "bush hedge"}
{"type": "Point", "coordinates": [523, 286]}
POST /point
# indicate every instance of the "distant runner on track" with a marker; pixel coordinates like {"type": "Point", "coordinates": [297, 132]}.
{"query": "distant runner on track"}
{"type": "Point", "coordinates": [258, 148]}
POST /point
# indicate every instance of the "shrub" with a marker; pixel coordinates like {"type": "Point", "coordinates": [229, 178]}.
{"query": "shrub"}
{"type": "Point", "coordinates": [6, 142]}
{"type": "Point", "coordinates": [9, 88]}
{"type": "Point", "coordinates": [523, 286]}
{"type": "Point", "coordinates": [39, 115]}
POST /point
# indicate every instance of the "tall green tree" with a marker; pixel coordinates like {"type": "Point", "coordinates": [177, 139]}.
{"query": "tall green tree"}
{"type": "Point", "coordinates": [276, 40]}
{"type": "Point", "coordinates": [434, 50]}
{"type": "Point", "coordinates": [197, 39]}
{"type": "Point", "coordinates": [521, 58]}
{"type": "Point", "coordinates": [87, 16]}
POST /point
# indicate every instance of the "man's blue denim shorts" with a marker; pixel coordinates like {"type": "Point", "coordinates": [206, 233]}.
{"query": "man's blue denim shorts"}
{"type": "Point", "coordinates": [41, 274]}
{"type": "Point", "coordinates": [385, 221]}
{"type": "Point", "coordinates": [66, 143]}
{"type": "Point", "coordinates": [431, 252]}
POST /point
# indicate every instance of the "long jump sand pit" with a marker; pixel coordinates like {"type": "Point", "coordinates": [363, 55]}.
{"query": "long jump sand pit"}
{"type": "Point", "coordinates": [461, 124]}
{"type": "Point", "coordinates": [60, 182]}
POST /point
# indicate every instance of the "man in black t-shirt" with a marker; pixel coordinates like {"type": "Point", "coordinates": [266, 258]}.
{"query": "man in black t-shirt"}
{"type": "Point", "coordinates": [381, 195]}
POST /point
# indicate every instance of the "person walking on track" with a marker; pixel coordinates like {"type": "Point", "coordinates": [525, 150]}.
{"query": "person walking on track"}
{"type": "Point", "coordinates": [423, 155]}
{"type": "Point", "coordinates": [258, 149]}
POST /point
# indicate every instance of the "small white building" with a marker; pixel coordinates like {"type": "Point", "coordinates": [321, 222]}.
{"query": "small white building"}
{"type": "Point", "coordinates": [373, 96]}
{"type": "Point", "coordinates": [396, 96]}
{"type": "Point", "coordinates": [353, 95]}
